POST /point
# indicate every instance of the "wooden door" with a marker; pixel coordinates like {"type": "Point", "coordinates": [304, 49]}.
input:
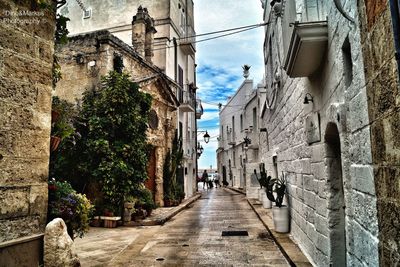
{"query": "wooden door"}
{"type": "Point", "coordinates": [151, 173]}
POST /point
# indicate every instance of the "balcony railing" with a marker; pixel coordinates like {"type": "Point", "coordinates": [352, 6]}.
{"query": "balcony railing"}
{"type": "Point", "coordinates": [199, 109]}
{"type": "Point", "coordinates": [187, 100]}
{"type": "Point", "coordinates": [187, 43]}
{"type": "Point", "coordinates": [231, 138]}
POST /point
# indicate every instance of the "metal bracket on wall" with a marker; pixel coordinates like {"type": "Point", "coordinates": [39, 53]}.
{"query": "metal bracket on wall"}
{"type": "Point", "coordinates": [339, 7]}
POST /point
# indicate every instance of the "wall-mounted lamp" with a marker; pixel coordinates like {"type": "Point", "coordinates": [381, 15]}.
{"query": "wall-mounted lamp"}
{"type": "Point", "coordinates": [308, 98]}
{"type": "Point", "coordinates": [80, 59]}
{"type": "Point", "coordinates": [247, 141]}
{"type": "Point", "coordinates": [277, 7]}
{"type": "Point", "coordinates": [200, 150]}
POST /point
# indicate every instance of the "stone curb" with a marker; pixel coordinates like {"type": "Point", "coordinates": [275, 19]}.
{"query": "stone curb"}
{"type": "Point", "coordinates": [289, 249]}
{"type": "Point", "coordinates": [163, 218]}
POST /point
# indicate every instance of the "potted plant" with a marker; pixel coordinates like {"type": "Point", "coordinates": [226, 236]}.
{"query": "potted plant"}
{"type": "Point", "coordinates": [264, 181]}
{"type": "Point", "coordinates": [129, 208]}
{"type": "Point", "coordinates": [280, 212]}
{"type": "Point", "coordinates": [148, 204]}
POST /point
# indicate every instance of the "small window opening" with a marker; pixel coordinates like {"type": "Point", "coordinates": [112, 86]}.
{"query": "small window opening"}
{"type": "Point", "coordinates": [347, 62]}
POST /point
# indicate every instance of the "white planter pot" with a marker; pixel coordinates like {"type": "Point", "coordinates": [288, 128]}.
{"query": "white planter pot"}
{"type": "Point", "coordinates": [281, 219]}
{"type": "Point", "coordinates": [267, 204]}
{"type": "Point", "coordinates": [260, 193]}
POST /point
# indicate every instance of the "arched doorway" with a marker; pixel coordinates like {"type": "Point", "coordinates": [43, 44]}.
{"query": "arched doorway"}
{"type": "Point", "coordinates": [336, 202]}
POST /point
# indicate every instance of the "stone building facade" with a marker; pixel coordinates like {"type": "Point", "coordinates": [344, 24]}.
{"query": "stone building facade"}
{"type": "Point", "coordinates": [239, 122]}
{"type": "Point", "coordinates": [26, 59]}
{"type": "Point", "coordinates": [86, 58]}
{"type": "Point", "coordinates": [173, 20]}
{"type": "Point", "coordinates": [318, 129]}
{"type": "Point", "coordinates": [379, 23]}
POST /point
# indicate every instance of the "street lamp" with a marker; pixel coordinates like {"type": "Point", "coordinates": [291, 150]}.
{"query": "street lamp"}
{"type": "Point", "coordinates": [206, 137]}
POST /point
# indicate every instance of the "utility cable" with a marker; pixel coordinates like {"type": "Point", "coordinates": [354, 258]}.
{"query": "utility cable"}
{"type": "Point", "coordinates": [220, 31]}
{"type": "Point", "coordinates": [212, 38]}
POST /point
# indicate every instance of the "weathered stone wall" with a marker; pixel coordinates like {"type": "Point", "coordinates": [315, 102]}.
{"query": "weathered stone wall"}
{"type": "Point", "coordinates": [116, 16]}
{"type": "Point", "coordinates": [317, 171]}
{"type": "Point", "coordinates": [26, 57]}
{"type": "Point", "coordinates": [101, 47]}
{"type": "Point", "coordinates": [383, 93]}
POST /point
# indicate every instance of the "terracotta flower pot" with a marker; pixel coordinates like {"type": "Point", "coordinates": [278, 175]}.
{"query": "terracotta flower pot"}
{"type": "Point", "coordinates": [54, 142]}
{"type": "Point", "coordinates": [54, 115]}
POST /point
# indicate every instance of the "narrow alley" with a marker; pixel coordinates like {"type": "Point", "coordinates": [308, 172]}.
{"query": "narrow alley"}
{"type": "Point", "coordinates": [192, 238]}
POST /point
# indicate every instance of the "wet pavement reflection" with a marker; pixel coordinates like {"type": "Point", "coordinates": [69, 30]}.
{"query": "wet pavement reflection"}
{"type": "Point", "coordinates": [194, 237]}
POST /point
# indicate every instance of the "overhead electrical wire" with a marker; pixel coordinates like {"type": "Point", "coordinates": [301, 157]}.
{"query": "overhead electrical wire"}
{"type": "Point", "coordinates": [236, 31]}
{"type": "Point", "coordinates": [215, 32]}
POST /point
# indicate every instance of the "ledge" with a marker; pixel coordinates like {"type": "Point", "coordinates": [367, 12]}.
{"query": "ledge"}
{"type": "Point", "coordinates": [306, 49]}
{"type": "Point", "coordinates": [289, 249]}
{"type": "Point", "coordinates": [21, 240]}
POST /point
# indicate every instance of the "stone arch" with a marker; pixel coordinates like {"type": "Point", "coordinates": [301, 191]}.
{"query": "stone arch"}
{"type": "Point", "coordinates": [336, 200]}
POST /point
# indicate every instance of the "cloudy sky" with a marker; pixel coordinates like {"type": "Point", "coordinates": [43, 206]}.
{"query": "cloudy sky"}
{"type": "Point", "coordinates": [220, 61]}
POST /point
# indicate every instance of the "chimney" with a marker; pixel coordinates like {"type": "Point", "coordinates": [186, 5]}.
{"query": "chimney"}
{"type": "Point", "coordinates": [143, 33]}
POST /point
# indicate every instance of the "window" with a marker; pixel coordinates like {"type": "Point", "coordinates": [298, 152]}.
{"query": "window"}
{"type": "Point", "coordinates": [347, 62]}
{"type": "Point", "coordinates": [180, 82]}
{"type": "Point", "coordinates": [87, 13]}
{"type": "Point", "coordinates": [275, 166]}
{"type": "Point", "coordinates": [241, 122]}
{"type": "Point", "coordinates": [180, 76]}
{"type": "Point", "coordinates": [254, 119]}
{"type": "Point", "coordinates": [233, 127]}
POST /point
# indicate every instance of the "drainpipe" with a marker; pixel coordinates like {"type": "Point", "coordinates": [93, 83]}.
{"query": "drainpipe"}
{"type": "Point", "coordinates": [175, 58]}
{"type": "Point", "coordinates": [395, 12]}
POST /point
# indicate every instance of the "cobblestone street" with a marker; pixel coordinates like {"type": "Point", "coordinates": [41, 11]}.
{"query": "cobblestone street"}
{"type": "Point", "coordinates": [192, 238]}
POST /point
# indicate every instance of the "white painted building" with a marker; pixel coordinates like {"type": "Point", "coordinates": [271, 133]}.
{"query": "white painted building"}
{"type": "Point", "coordinates": [173, 51]}
{"type": "Point", "coordinates": [315, 116]}
{"type": "Point", "coordinates": [239, 121]}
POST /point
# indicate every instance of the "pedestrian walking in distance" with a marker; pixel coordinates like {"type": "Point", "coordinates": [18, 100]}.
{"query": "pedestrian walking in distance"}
{"type": "Point", "coordinates": [204, 179]}
{"type": "Point", "coordinates": [216, 179]}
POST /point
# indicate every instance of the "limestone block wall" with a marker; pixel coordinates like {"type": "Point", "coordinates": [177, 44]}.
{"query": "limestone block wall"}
{"type": "Point", "coordinates": [26, 57]}
{"type": "Point", "coordinates": [330, 181]}
{"type": "Point", "coordinates": [382, 84]}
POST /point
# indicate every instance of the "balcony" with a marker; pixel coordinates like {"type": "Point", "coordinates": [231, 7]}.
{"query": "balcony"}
{"type": "Point", "coordinates": [187, 43]}
{"type": "Point", "coordinates": [231, 138]}
{"type": "Point", "coordinates": [199, 109]}
{"type": "Point", "coordinates": [186, 100]}
{"type": "Point", "coordinates": [307, 48]}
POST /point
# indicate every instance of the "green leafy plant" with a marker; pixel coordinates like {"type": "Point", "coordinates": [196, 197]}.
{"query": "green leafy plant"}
{"type": "Point", "coordinates": [61, 29]}
{"type": "Point", "coordinates": [145, 199]}
{"type": "Point", "coordinates": [278, 186]}
{"type": "Point", "coordinates": [63, 127]}
{"type": "Point", "coordinates": [264, 179]}
{"type": "Point", "coordinates": [113, 148]}
{"type": "Point", "coordinates": [173, 180]}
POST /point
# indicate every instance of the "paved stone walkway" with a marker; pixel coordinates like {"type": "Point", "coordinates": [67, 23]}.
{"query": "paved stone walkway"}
{"type": "Point", "coordinates": [192, 238]}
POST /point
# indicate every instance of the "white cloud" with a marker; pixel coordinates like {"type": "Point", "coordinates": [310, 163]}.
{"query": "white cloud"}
{"type": "Point", "coordinates": [220, 60]}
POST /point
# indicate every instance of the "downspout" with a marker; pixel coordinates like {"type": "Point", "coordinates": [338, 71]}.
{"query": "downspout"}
{"type": "Point", "coordinates": [395, 12]}
{"type": "Point", "coordinates": [175, 58]}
